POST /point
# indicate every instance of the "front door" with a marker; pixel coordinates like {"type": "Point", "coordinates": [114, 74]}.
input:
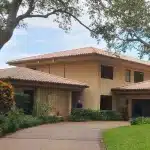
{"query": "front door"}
{"type": "Point", "coordinates": [76, 95]}
{"type": "Point", "coordinates": [31, 101]}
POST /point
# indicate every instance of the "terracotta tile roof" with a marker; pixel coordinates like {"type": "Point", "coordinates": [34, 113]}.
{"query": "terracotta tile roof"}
{"type": "Point", "coordinates": [145, 85]}
{"type": "Point", "coordinates": [78, 52]}
{"type": "Point", "coordinates": [26, 74]}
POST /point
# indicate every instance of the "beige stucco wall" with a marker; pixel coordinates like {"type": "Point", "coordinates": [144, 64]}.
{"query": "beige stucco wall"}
{"type": "Point", "coordinates": [84, 71]}
{"type": "Point", "coordinates": [89, 71]}
{"type": "Point", "coordinates": [58, 100]}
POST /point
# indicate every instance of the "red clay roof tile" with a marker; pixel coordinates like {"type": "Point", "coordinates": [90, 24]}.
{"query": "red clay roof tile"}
{"type": "Point", "coordinates": [77, 52]}
{"type": "Point", "coordinates": [26, 74]}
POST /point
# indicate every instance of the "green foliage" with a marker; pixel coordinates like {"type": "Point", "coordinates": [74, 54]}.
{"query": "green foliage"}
{"type": "Point", "coordinates": [95, 115]}
{"type": "Point", "coordinates": [140, 121]}
{"type": "Point", "coordinates": [50, 119]}
{"type": "Point", "coordinates": [123, 24]}
{"type": "Point", "coordinates": [16, 119]}
{"type": "Point", "coordinates": [42, 108]}
{"type": "Point", "coordinates": [6, 97]}
{"type": "Point", "coordinates": [62, 11]}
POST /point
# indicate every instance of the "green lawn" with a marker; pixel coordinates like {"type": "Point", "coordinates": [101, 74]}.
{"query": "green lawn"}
{"type": "Point", "coordinates": [128, 138]}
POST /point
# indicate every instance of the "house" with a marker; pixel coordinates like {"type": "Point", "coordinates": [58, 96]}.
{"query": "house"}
{"type": "Point", "coordinates": [100, 79]}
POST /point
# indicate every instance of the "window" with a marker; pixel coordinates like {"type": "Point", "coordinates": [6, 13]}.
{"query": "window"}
{"type": "Point", "coordinates": [128, 75]}
{"type": "Point", "coordinates": [106, 102]}
{"type": "Point", "coordinates": [106, 72]}
{"type": "Point", "coordinates": [138, 76]}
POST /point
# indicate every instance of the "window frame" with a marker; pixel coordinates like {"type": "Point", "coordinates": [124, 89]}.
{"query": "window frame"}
{"type": "Point", "coordinates": [127, 75]}
{"type": "Point", "coordinates": [105, 74]}
{"type": "Point", "coordinates": [140, 73]}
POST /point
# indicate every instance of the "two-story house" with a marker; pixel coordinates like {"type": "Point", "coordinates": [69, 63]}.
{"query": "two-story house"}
{"type": "Point", "coordinates": [100, 79]}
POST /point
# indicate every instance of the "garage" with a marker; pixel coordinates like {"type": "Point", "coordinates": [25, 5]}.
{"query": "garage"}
{"type": "Point", "coordinates": [132, 100]}
{"type": "Point", "coordinates": [141, 107]}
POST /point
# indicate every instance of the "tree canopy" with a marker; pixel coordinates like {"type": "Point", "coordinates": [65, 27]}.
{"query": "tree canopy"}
{"type": "Point", "coordinates": [13, 13]}
{"type": "Point", "coordinates": [123, 24]}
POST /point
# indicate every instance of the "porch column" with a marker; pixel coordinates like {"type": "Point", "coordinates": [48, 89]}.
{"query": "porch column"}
{"type": "Point", "coordinates": [129, 107]}
{"type": "Point", "coordinates": [70, 101]}
{"type": "Point", "coordinates": [114, 101]}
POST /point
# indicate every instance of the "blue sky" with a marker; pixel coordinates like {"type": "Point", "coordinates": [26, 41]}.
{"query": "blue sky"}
{"type": "Point", "coordinates": [43, 36]}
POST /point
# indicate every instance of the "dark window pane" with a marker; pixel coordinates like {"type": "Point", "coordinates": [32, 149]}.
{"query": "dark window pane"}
{"type": "Point", "coordinates": [138, 76]}
{"type": "Point", "coordinates": [128, 75]}
{"type": "Point", "coordinates": [106, 72]}
{"type": "Point", "coordinates": [106, 102]}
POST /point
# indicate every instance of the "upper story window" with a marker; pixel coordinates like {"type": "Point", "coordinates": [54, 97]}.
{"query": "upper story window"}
{"type": "Point", "coordinates": [128, 75]}
{"type": "Point", "coordinates": [138, 76]}
{"type": "Point", "coordinates": [106, 72]}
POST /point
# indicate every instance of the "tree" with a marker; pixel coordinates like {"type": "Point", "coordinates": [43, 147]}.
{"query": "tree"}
{"type": "Point", "coordinates": [14, 12]}
{"type": "Point", "coordinates": [124, 24]}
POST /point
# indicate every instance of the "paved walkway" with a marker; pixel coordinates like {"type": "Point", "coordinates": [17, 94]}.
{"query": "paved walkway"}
{"type": "Point", "coordinates": [61, 136]}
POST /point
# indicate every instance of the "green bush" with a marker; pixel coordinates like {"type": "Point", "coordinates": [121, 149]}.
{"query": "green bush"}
{"type": "Point", "coordinates": [140, 121]}
{"type": "Point", "coordinates": [50, 119]}
{"type": "Point", "coordinates": [6, 97]}
{"type": "Point", "coordinates": [42, 108]}
{"type": "Point", "coordinates": [2, 119]}
{"type": "Point", "coordinates": [29, 121]}
{"type": "Point", "coordinates": [95, 115]}
{"type": "Point", "coordinates": [16, 119]}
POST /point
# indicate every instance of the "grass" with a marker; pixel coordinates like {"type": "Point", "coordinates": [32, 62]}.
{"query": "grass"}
{"type": "Point", "coordinates": [128, 138]}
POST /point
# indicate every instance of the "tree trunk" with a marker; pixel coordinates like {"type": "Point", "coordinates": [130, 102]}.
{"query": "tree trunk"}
{"type": "Point", "coordinates": [4, 37]}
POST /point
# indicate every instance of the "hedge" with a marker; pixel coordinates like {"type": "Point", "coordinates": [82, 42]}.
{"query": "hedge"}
{"type": "Point", "coordinates": [94, 115]}
{"type": "Point", "coordinates": [6, 97]}
{"type": "Point", "coordinates": [15, 120]}
{"type": "Point", "coordinates": [140, 121]}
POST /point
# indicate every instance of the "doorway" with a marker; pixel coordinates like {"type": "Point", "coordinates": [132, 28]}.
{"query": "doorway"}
{"type": "Point", "coordinates": [76, 95]}
{"type": "Point", "coordinates": [30, 103]}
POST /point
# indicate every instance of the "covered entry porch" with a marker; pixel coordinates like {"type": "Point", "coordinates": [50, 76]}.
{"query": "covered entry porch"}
{"type": "Point", "coordinates": [132, 100]}
{"type": "Point", "coordinates": [43, 88]}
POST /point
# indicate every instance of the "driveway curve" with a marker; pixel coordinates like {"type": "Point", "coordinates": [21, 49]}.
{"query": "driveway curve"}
{"type": "Point", "coordinates": [61, 136]}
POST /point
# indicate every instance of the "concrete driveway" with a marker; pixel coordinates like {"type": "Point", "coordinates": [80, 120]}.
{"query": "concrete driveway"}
{"type": "Point", "coordinates": [61, 136]}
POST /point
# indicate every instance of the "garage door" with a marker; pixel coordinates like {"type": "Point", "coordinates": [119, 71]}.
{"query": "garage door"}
{"type": "Point", "coordinates": [141, 107]}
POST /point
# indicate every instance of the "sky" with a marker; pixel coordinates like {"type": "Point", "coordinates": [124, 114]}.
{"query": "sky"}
{"type": "Point", "coordinates": [44, 36]}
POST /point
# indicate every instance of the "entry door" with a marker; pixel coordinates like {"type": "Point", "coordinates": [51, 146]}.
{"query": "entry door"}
{"type": "Point", "coordinates": [31, 101]}
{"type": "Point", "coordinates": [75, 97]}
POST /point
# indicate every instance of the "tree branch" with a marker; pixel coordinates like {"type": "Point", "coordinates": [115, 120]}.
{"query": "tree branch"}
{"type": "Point", "coordinates": [79, 21]}
{"type": "Point", "coordinates": [142, 41]}
{"type": "Point", "coordinates": [28, 12]}
{"type": "Point", "coordinates": [61, 11]}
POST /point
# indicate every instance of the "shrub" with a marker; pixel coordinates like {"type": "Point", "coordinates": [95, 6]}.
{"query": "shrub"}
{"type": "Point", "coordinates": [50, 119]}
{"type": "Point", "coordinates": [111, 115]}
{"type": "Point", "coordinates": [29, 121]}
{"type": "Point", "coordinates": [2, 119]}
{"type": "Point", "coordinates": [95, 115]}
{"type": "Point", "coordinates": [6, 97]}
{"type": "Point", "coordinates": [42, 108]}
{"type": "Point", "coordinates": [140, 120]}
{"type": "Point", "coordinates": [16, 119]}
